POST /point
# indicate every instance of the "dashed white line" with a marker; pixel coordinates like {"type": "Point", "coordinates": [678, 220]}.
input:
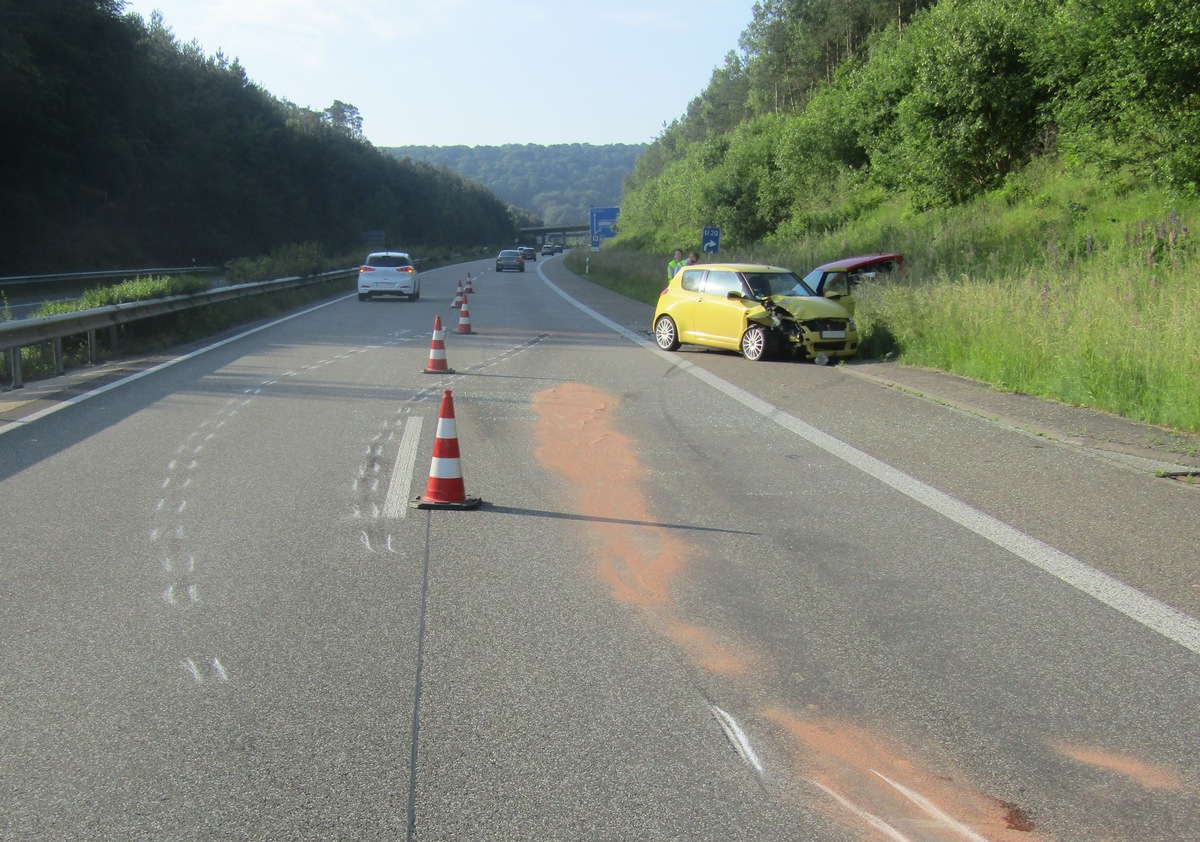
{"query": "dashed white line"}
{"type": "Point", "coordinates": [395, 505]}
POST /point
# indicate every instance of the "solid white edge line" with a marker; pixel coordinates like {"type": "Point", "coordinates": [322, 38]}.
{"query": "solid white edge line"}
{"type": "Point", "coordinates": [1155, 615]}
{"type": "Point", "coordinates": [395, 505]}
{"type": "Point", "coordinates": [50, 410]}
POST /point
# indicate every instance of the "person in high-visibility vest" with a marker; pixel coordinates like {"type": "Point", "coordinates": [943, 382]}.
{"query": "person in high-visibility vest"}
{"type": "Point", "coordinates": [676, 264]}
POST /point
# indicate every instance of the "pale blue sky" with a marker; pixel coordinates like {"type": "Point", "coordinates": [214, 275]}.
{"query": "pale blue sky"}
{"type": "Point", "coordinates": [473, 72]}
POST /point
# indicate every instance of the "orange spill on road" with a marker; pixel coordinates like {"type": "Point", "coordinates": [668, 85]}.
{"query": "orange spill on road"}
{"type": "Point", "coordinates": [876, 782]}
{"type": "Point", "coordinates": [853, 774]}
{"type": "Point", "coordinates": [703, 649]}
{"type": "Point", "coordinates": [1145, 774]}
{"type": "Point", "coordinates": [636, 558]}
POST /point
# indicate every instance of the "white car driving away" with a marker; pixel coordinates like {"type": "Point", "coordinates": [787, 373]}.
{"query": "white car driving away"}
{"type": "Point", "coordinates": [388, 273]}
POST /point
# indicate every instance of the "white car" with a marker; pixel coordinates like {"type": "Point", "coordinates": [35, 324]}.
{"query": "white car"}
{"type": "Point", "coordinates": [388, 273]}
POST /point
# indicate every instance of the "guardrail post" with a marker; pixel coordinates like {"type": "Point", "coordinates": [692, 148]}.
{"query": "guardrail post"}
{"type": "Point", "coordinates": [59, 368]}
{"type": "Point", "coordinates": [14, 363]}
{"type": "Point", "coordinates": [91, 334]}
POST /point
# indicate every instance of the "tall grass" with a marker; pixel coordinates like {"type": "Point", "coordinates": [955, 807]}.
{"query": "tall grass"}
{"type": "Point", "coordinates": [1109, 333]}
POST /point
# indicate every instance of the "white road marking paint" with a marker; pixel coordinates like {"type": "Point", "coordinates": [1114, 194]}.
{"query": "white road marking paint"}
{"type": "Point", "coordinates": [933, 810]}
{"type": "Point", "coordinates": [169, 595]}
{"type": "Point", "coordinates": [1140, 607]}
{"type": "Point", "coordinates": [871, 819]}
{"type": "Point", "coordinates": [365, 539]}
{"type": "Point", "coordinates": [222, 673]}
{"type": "Point", "coordinates": [395, 505]}
{"type": "Point", "coordinates": [738, 737]}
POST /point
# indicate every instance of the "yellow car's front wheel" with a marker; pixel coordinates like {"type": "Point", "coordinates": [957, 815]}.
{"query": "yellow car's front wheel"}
{"type": "Point", "coordinates": [754, 343]}
{"type": "Point", "coordinates": [665, 333]}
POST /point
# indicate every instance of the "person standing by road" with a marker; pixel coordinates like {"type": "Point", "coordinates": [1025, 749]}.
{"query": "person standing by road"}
{"type": "Point", "coordinates": [692, 259]}
{"type": "Point", "coordinates": [676, 264]}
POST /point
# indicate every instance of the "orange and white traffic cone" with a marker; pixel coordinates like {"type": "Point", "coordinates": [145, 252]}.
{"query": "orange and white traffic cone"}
{"type": "Point", "coordinates": [437, 350]}
{"type": "Point", "coordinates": [468, 289]}
{"type": "Point", "coordinates": [458, 297]}
{"type": "Point", "coordinates": [445, 489]}
{"type": "Point", "coordinates": [464, 318]}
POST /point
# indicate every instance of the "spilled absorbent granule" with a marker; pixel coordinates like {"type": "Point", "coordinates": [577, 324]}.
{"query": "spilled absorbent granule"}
{"type": "Point", "coordinates": [872, 783]}
{"type": "Point", "coordinates": [1146, 775]}
{"type": "Point", "coordinates": [636, 557]}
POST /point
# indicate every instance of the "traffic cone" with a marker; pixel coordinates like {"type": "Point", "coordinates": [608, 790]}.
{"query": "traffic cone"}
{"type": "Point", "coordinates": [458, 298]}
{"type": "Point", "coordinates": [437, 350]}
{"type": "Point", "coordinates": [464, 318]}
{"type": "Point", "coordinates": [468, 289]}
{"type": "Point", "coordinates": [445, 489]}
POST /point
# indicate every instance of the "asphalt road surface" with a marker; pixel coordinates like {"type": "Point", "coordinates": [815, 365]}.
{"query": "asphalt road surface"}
{"type": "Point", "coordinates": [703, 599]}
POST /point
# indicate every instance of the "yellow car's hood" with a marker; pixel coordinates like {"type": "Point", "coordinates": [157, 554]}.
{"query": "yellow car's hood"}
{"type": "Point", "coordinates": [806, 307]}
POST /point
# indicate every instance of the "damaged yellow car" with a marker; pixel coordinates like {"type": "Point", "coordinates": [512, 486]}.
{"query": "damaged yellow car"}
{"type": "Point", "coordinates": [761, 311]}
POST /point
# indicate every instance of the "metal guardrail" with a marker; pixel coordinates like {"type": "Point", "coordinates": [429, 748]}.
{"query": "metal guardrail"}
{"type": "Point", "coordinates": [106, 275]}
{"type": "Point", "coordinates": [19, 334]}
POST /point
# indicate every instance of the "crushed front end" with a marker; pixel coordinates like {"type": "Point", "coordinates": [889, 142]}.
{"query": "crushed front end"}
{"type": "Point", "coordinates": [809, 327]}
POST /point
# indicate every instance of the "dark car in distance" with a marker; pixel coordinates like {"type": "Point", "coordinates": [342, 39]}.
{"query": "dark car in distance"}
{"type": "Point", "coordinates": [510, 259]}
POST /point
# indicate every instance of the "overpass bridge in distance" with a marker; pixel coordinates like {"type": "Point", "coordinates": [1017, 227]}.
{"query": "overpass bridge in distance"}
{"type": "Point", "coordinates": [548, 232]}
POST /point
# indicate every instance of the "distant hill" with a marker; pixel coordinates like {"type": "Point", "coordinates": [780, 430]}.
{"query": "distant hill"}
{"type": "Point", "coordinates": [558, 183]}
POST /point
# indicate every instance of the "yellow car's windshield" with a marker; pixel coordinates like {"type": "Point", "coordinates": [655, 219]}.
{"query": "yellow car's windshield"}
{"type": "Point", "coordinates": [764, 284]}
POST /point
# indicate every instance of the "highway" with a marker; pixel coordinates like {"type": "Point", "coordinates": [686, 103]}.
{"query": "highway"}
{"type": "Point", "coordinates": [703, 599]}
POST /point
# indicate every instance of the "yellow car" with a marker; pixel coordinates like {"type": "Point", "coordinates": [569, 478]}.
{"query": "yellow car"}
{"type": "Point", "coordinates": [757, 310]}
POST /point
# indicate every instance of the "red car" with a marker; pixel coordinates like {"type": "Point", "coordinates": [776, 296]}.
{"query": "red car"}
{"type": "Point", "coordinates": [841, 276]}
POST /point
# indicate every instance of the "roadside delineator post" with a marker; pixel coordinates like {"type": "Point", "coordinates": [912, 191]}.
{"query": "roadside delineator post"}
{"type": "Point", "coordinates": [458, 297]}
{"type": "Point", "coordinates": [464, 318]}
{"type": "Point", "coordinates": [445, 489]}
{"type": "Point", "coordinates": [437, 350]}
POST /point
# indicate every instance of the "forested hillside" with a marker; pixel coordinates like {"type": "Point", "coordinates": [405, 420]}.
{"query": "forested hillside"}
{"type": "Point", "coordinates": [1034, 160]}
{"type": "Point", "coordinates": [832, 107]}
{"type": "Point", "coordinates": [557, 183]}
{"type": "Point", "coordinates": [121, 146]}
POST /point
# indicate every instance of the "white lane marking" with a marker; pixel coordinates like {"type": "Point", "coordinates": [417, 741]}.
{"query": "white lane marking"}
{"type": "Point", "coordinates": [1140, 607]}
{"type": "Point", "coordinates": [395, 505]}
{"type": "Point", "coordinates": [738, 737]}
{"type": "Point", "coordinates": [42, 413]}
{"type": "Point", "coordinates": [870, 818]}
{"type": "Point", "coordinates": [933, 810]}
